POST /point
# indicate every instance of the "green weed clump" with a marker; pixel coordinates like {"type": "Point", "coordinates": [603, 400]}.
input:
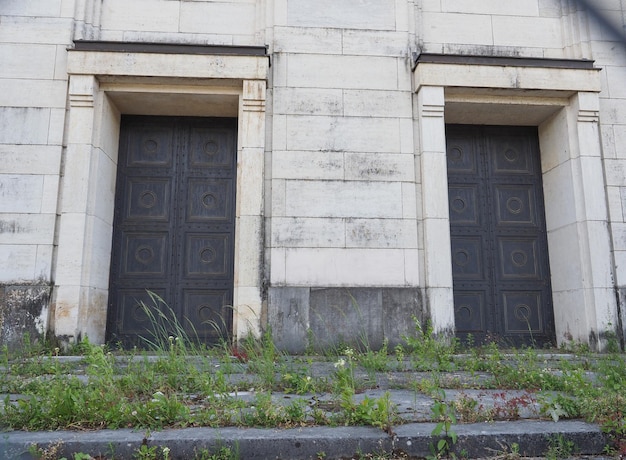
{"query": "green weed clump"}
{"type": "Point", "coordinates": [429, 352]}
{"type": "Point", "coordinates": [445, 417]}
{"type": "Point", "coordinates": [378, 412]}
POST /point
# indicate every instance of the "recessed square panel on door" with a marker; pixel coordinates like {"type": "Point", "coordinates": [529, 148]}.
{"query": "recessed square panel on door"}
{"type": "Point", "coordinates": [523, 312]}
{"type": "Point", "coordinates": [461, 156]}
{"type": "Point", "coordinates": [148, 198]}
{"type": "Point", "coordinates": [208, 312]}
{"type": "Point", "coordinates": [211, 148]}
{"type": "Point", "coordinates": [145, 254]}
{"type": "Point", "coordinates": [467, 258]}
{"type": "Point", "coordinates": [206, 254]}
{"type": "Point", "coordinates": [463, 203]}
{"type": "Point", "coordinates": [516, 205]}
{"type": "Point", "coordinates": [509, 155]}
{"type": "Point", "coordinates": [150, 146]}
{"type": "Point", "coordinates": [469, 311]}
{"type": "Point", "coordinates": [210, 200]}
{"type": "Point", "coordinates": [518, 258]}
{"type": "Point", "coordinates": [139, 312]}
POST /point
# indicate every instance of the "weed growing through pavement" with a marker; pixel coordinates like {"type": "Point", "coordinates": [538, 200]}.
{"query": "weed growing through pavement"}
{"type": "Point", "coordinates": [559, 447]}
{"type": "Point", "coordinates": [427, 351]}
{"type": "Point", "coordinates": [445, 417]}
{"type": "Point", "coordinates": [375, 360]}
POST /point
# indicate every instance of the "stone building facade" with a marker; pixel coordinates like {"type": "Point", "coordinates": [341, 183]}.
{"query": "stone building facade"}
{"type": "Point", "coordinates": [331, 169]}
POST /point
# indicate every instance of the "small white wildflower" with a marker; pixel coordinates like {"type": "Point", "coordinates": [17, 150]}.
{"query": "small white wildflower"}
{"type": "Point", "coordinates": [166, 451]}
{"type": "Point", "coordinates": [340, 363]}
{"type": "Point", "coordinates": [171, 338]}
{"type": "Point", "coordinates": [133, 413]}
{"type": "Point", "coordinates": [308, 378]}
{"type": "Point", "coordinates": [349, 352]}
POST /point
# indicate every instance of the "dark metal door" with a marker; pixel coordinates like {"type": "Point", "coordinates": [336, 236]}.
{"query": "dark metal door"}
{"type": "Point", "coordinates": [500, 262]}
{"type": "Point", "coordinates": [173, 231]}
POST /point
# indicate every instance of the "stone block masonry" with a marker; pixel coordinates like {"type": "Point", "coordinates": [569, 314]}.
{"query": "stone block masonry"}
{"type": "Point", "coordinates": [342, 195]}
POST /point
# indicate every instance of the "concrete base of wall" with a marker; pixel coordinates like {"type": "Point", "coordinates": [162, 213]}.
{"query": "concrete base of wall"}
{"type": "Point", "coordinates": [318, 318]}
{"type": "Point", "coordinates": [23, 312]}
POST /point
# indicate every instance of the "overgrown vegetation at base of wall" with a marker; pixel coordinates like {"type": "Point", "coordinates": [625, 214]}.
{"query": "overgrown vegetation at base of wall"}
{"type": "Point", "coordinates": [182, 384]}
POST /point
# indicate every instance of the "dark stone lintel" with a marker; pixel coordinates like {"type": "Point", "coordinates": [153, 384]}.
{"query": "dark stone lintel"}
{"type": "Point", "coordinates": [504, 61]}
{"type": "Point", "coordinates": [168, 48]}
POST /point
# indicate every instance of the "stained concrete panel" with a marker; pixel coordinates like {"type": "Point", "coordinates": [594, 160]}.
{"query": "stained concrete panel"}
{"type": "Point", "coordinates": [288, 317]}
{"type": "Point", "coordinates": [23, 313]}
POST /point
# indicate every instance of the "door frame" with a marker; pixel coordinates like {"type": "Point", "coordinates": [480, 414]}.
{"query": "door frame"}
{"type": "Point", "coordinates": [106, 81]}
{"type": "Point", "coordinates": [561, 98]}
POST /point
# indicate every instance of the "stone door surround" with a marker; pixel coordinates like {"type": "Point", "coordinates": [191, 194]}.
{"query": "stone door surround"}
{"type": "Point", "coordinates": [561, 98]}
{"type": "Point", "coordinates": [107, 79]}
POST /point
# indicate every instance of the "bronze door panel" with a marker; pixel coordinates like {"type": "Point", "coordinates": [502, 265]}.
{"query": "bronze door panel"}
{"type": "Point", "coordinates": [174, 225]}
{"type": "Point", "coordinates": [500, 261]}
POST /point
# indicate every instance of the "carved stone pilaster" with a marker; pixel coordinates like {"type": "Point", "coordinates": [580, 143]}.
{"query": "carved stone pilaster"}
{"type": "Point", "coordinates": [253, 98]}
{"type": "Point", "coordinates": [82, 90]}
{"type": "Point", "coordinates": [432, 110]}
{"type": "Point", "coordinates": [81, 100]}
{"type": "Point", "coordinates": [588, 116]}
{"type": "Point", "coordinates": [87, 19]}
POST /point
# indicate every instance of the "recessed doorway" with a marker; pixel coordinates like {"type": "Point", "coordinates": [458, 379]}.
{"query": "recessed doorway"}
{"type": "Point", "coordinates": [500, 266]}
{"type": "Point", "coordinates": [174, 227]}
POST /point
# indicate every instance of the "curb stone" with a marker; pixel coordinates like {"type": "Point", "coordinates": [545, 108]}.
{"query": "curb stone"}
{"type": "Point", "coordinates": [474, 440]}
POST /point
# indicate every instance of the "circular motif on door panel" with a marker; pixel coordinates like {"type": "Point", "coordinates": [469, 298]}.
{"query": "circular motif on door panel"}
{"type": "Point", "coordinates": [514, 205]}
{"type": "Point", "coordinates": [519, 258]}
{"type": "Point", "coordinates": [456, 155]}
{"type": "Point", "coordinates": [144, 254]}
{"type": "Point", "coordinates": [464, 312]}
{"type": "Point", "coordinates": [458, 204]}
{"type": "Point", "coordinates": [205, 312]}
{"type": "Point", "coordinates": [461, 257]}
{"type": "Point", "coordinates": [147, 199]}
{"type": "Point", "coordinates": [150, 145]}
{"type": "Point", "coordinates": [210, 148]}
{"type": "Point", "coordinates": [209, 200]}
{"type": "Point", "coordinates": [522, 312]}
{"type": "Point", "coordinates": [511, 155]}
{"type": "Point", "coordinates": [207, 255]}
{"type": "Point", "coordinates": [139, 313]}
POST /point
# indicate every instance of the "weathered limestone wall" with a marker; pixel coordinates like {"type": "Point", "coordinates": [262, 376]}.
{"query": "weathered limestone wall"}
{"type": "Point", "coordinates": [343, 180]}
{"type": "Point", "coordinates": [492, 27]}
{"type": "Point", "coordinates": [610, 54]}
{"type": "Point", "coordinates": [341, 195]}
{"type": "Point", "coordinates": [221, 22]}
{"type": "Point", "coordinates": [33, 39]}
